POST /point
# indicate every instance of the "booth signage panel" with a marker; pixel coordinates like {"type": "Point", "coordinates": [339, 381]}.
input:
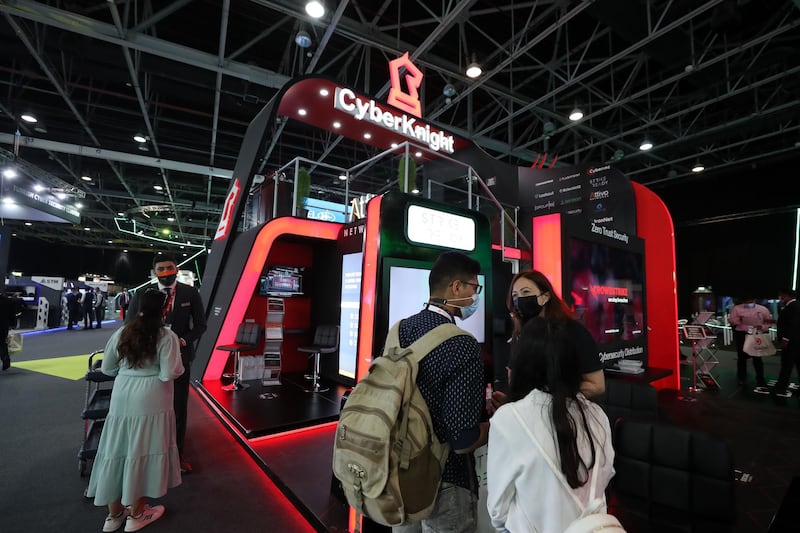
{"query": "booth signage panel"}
{"type": "Point", "coordinates": [348, 101]}
{"type": "Point", "coordinates": [437, 228]}
{"type": "Point", "coordinates": [57, 211]}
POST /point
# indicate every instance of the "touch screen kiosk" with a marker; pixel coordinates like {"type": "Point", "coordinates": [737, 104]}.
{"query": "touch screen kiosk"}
{"type": "Point", "coordinates": [404, 235]}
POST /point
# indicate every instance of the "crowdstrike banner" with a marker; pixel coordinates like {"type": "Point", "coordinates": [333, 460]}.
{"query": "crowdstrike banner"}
{"type": "Point", "coordinates": [347, 101]}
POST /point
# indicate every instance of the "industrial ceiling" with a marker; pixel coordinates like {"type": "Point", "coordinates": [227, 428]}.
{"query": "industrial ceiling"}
{"type": "Point", "coordinates": [714, 83]}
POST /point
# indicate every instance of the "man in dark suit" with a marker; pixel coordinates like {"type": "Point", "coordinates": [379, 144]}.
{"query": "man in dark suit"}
{"type": "Point", "coordinates": [185, 314]}
{"type": "Point", "coordinates": [789, 339]}
{"type": "Point", "coordinates": [74, 310]}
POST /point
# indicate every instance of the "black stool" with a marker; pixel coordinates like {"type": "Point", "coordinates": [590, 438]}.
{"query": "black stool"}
{"type": "Point", "coordinates": [247, 337]}
{"type": "Point", "coordinates": [326, 340]}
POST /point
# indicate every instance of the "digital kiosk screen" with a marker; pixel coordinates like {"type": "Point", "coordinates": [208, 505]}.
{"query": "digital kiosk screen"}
{"type": "Point", "coordinates": [409, 291]}
{"type": "Point", "coordinates": [350, 305]}
{"type": "Point", "coordinates": [605, 285]}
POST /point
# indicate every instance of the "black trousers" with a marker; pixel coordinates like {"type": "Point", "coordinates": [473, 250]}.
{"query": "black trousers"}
{"type": "Point", "coordinates": [741, 360]}
{"type": "Point", "coordinates": [4, 346]}
{"type": "Point", "coordinates": [180, 404]}
{"type": "Point", "coordinates": [789, 361]}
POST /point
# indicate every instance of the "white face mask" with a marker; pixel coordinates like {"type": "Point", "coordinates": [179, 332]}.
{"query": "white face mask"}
{"type": "Point", "coordinates": [468, 310]}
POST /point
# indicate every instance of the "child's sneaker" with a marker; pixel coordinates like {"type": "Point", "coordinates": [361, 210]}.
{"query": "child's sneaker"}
{"type": "Point", "coordinates": [784, 394]}
{"type": "Point", "coordinates": [145, 518]}
{"type": "Point", "coordinates": [113, 523]}
{"type": "Point", "coordinates": [761, 390]}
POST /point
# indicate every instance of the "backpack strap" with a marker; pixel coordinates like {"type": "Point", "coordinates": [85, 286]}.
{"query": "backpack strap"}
{"type": "Point", "coordinates": [557, 471]}
{"type": "Point", "coordinates": [415, 352]}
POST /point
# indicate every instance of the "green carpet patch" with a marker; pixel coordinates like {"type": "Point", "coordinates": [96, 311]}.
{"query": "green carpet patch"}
{"type": "Point", "coordinates": [72, 367]}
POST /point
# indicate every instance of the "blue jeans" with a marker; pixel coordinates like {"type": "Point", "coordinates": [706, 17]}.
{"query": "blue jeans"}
{"type": "Point", "coordinates": [455, 512]}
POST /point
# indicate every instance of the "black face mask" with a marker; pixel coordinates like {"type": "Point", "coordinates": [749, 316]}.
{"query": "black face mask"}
{"type": "Point", "coordinates": [527, 307]}
{"type": "Point", "coordinates": [167, 280]}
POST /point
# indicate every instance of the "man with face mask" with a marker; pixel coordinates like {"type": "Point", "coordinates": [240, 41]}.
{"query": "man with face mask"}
{"type": "Point", "coordinates": [184, 313]}
{"type": "Point", "coordinates": [450, 380]}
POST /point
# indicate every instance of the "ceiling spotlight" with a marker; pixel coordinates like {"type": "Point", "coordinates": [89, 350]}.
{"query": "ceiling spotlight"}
{"type": "Point", "coordinates": [86, 178]}
{"type": "Point", "coordinates": [170, 219]}
{"type": "Point", "coordinates": [158, 187]}
{"type": "Point", "coordinates": [337, 124]}
{"type": "Point", "coordinates": [29, 223]}
{"type": "Point", "coordinates": [140, 138]}
{"type": "Point", "coordinates": [302, 112]}
{"type": "Point", "coordinates": [324, 92]}
{"type": "Point", "coordinates": [87, 229]}
{"type": "Point", "coordinates": [343, 177]}
{"type": "Point", "coordinates": [646, 145]}
{"type": "Point", "coordinates": [8, 200]}
{"type": "Point", "coordinates": [698, 167]}
{"type": "Point", "coordinates": [474, 70]}
{"type": "Point", "coordinates": [9, 172]}
{"type": "Point", "coordinates": [120, 214]}
{"type": "Point", "coordinates": [368, 135]}
{"type": "Point", "coordinates": [110, 242]}
{"type": "Point", "coordinates": [29, 118]}
{"type": "Point", "coordinates": [38, 187]}
{"type": "Point", "coordinates": [61, 196]}
{"type": "Point", "coordinates": [576, 115]}
{"type": "Point", "coordinates": [315, 9]}
{"type": "Point", "coordinates": [415, 191]}
{"type": "Point", "coordinates": [302, 39]}
{"type": "Point", "coordinates": [78, 205]}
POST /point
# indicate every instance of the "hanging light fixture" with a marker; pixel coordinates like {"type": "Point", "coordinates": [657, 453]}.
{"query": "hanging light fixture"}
{"type": "Point", "coordinates": [698, 167]}
{"type": "Point", "coordinates": [315, 9]}
{"type": "Point", "coordinates": [474, 70]}
{"type": "Point", "coordinates": [27, 117]}
{"type": "Point", "coordinates": [576, 115]}
{"type": "Point", "coordinates": [646, 145]}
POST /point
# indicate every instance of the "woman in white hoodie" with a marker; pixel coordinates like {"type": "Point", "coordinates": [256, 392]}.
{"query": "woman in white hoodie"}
{"type": "Point", "coordinates": [525, 494]}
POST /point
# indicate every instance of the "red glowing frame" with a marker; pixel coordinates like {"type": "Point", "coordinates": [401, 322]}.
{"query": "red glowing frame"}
{"type": "Point", "coordinates": [268, 234]}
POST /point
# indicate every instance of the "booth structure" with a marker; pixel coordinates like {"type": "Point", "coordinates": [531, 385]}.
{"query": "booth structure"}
{"type": "Point", "coordinates": [606, 243]}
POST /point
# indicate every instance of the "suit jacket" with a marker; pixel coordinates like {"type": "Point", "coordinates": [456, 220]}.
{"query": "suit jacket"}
{"type": "Point", "coordinates": [187, 318]}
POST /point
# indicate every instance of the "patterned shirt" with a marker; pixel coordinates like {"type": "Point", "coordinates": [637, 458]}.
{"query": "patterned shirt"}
{"type": "Point", "coordinates": [450, 380]}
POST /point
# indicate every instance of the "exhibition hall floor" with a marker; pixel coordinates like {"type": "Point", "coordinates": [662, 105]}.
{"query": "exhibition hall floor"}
{"type": "Point", "coordinates": [43, 394]}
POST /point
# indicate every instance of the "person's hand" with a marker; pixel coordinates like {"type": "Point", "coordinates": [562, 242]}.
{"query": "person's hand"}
{"type": "Point", "coordinates": [182, 341]}
{"type": "Point", "coordinates": [498, 399]}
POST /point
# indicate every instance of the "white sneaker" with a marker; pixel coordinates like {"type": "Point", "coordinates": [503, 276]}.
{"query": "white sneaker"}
{"type": "Point", "coordinates": [145, 518]}
{"type": "Point", "coordinates": [113, 523]}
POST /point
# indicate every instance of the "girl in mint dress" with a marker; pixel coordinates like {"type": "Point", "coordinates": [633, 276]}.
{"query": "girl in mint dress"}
{"type": "Point", "coordinates": [137, 457]}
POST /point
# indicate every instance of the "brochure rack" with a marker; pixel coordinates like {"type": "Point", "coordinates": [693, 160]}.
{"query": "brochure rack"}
{"type": "Point", "coordinates": [704, 358]}
{"type": "Point", "coordinates": [273, 340]}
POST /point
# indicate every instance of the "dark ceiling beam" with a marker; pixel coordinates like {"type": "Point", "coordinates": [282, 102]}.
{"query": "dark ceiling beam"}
{"type": "Point", "coordinates": [95, 29]}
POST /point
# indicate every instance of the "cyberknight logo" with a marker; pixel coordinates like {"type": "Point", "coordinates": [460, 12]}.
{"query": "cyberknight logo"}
{"type": "Point", "coordinates": [406, 101]}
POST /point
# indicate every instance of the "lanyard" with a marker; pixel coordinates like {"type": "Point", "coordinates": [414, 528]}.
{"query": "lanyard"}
{"type": "Point", "coordinates": [437, 309]}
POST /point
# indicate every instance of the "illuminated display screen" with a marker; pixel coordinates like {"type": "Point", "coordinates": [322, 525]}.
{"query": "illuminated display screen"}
{"type": "Point", "coordinates": [350, 306]}
{"type": "Point", "coordinates": [408, 292]}
{"type": "Point", "coordinates": [281, 281]}
{"type": "Point", "coordinates": [605, 286]}
{"type": "Point", "coordinates": [438, 228]}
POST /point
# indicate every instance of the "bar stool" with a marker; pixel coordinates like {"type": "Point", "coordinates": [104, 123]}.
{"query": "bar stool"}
{"type": "Point", "coordinates": [247, 337]}
{"type": "Point", "coordinates": [326, 340]}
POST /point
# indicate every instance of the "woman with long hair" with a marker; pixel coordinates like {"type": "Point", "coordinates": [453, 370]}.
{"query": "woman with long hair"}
{"type": "Point", "coordinates": [531, 295]}
{"type": "Point", "coordinates": [137, 457]}
{"type": "Point", "coordinates": [573, 434]}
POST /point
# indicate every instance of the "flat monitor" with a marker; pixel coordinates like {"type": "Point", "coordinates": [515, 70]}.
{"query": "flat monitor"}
{"type": "Point", "coordinates": [281, 281]}
{"type": "Point", "coordinates": [409, 291]}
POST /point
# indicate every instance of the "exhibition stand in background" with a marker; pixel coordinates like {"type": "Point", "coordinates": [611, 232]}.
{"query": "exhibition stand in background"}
{"type": "Point", "coordinates": [363, 275]}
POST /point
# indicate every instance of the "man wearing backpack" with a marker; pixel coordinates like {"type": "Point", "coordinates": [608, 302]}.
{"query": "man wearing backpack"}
{"type": "Point", "coordinates": [450, 380]}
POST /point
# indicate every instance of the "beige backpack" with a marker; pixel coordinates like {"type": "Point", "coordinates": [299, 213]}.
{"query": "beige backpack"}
{"type": "Point", "coordinates": [386, 454]}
